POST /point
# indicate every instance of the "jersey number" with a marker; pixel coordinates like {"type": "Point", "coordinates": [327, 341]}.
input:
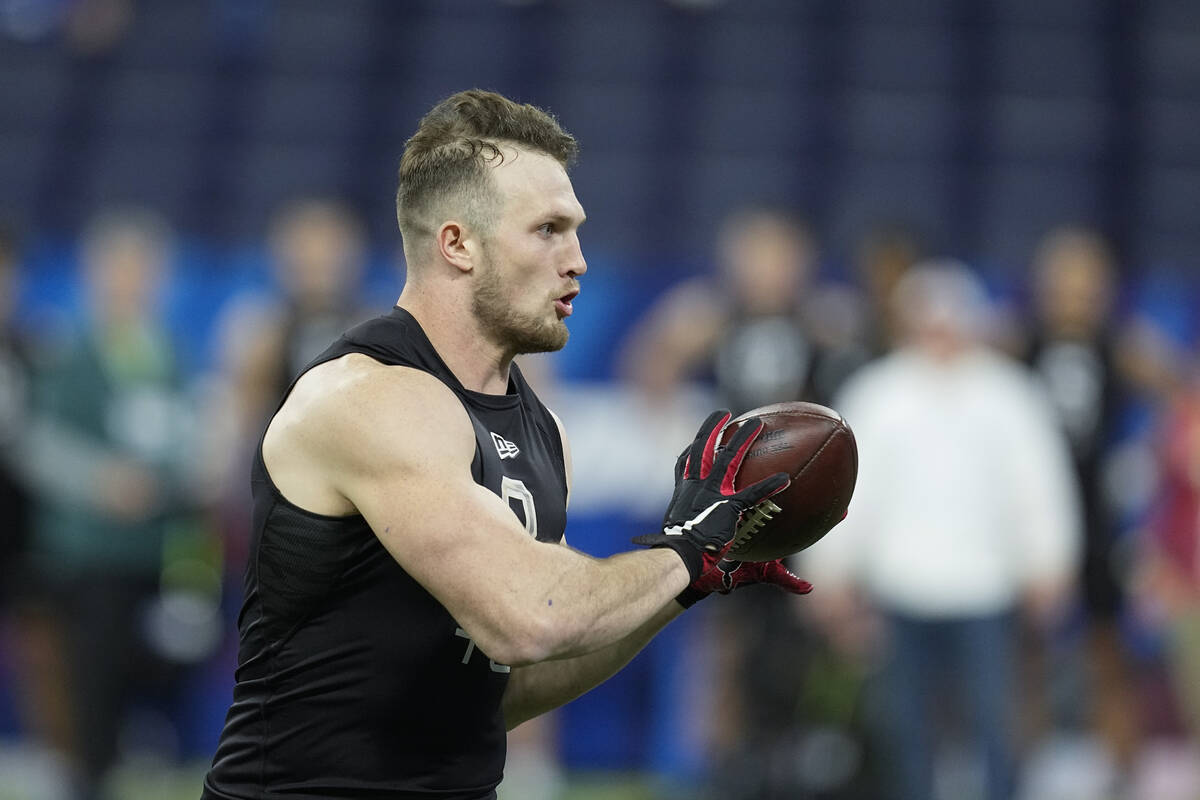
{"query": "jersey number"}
{"type": "Point", "coordinates": [514, 489]}
{"type": "Point", "coordinates": [510, 489]}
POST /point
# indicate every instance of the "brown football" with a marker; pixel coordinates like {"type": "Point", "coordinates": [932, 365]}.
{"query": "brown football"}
{"type": "Point", "coordinates": [816, 447]}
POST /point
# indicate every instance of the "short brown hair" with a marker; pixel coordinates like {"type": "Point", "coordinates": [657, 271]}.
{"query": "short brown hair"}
{"type": "Point", "coordinates": [455, 142]}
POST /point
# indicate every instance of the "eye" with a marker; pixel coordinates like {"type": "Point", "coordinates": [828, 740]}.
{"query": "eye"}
{"type": "Point", "coordinates": [546, 228]}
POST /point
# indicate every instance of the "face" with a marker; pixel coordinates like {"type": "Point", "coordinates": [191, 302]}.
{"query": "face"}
{"type": "Point", "coordinates": [941, 309]}
{"type": "Point", "coordinates": [318, 254]}
{"type": "Point", "coordinates": [124, 273]}
{"type": "Point", "coordinates": [527, 275]}
{"type": "Point", "coordinates": [768, 263]}
{"type": "Point", "coordinates": [1074, 283]}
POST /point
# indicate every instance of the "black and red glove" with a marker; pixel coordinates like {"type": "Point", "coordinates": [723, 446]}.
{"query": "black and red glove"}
{"type": "Point", "coordinates": [723, 576]}
{"type": "Point", "coordinates": [703, 515]}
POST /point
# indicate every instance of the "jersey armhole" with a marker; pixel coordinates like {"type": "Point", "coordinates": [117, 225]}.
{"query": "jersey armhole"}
{"type": "Point", "coordinates": [557, 438]}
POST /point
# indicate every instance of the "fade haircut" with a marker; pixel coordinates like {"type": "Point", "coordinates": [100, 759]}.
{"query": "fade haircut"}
{"type": "Point", "coordinates": [444, 169]}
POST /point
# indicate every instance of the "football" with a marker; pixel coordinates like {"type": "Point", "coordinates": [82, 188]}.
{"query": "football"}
{"type": "Point", "coordinates": [816, 447]}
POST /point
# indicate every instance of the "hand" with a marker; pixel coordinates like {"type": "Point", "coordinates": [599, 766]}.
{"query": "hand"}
{"type": "Point", "coordinates": [704, 511]}
{"type": "Point", "coordinates": [723, 575]}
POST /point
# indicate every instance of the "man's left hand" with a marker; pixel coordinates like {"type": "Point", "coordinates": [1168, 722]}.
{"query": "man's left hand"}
{"type": "Point", "coordinates": [723, 576]}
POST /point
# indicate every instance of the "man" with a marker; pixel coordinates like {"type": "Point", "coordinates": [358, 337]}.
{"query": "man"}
{"type": "Point", "coordinates": [748, 327]}
{"type": "Point", "coordinates": [751, 328]}
{"type": "Point", "coordinates": [965, 513]}
{"type": "Point", "coordinates": [1079, 351]}
{"type": "Point", "coordinates": [318, 254]}
{"type": "Point", "coordinates": [105, 453]}
{"type": "Point", "coordinates": [409, 597]}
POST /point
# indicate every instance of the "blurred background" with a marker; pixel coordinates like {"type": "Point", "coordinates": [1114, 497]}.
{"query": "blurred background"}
{"type": "Point", "coordinates": [196, 196]}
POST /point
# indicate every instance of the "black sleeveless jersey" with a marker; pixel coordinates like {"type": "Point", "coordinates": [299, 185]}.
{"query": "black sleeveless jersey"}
{"type": "Point", "coordinates": [352, 680]}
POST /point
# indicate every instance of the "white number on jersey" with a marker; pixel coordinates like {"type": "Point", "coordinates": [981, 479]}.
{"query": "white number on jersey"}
{"type": "Point", "coordinates": [510, 489]}
{"type": "Point", "coordinates": [514, 489]}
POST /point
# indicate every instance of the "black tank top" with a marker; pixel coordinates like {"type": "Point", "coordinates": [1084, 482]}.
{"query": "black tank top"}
{"type": "Point", "coordinates": [352, 680]}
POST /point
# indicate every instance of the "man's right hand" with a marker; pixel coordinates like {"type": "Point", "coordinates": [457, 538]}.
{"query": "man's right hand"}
{"type": "Point", "coordinates": [704, 510]}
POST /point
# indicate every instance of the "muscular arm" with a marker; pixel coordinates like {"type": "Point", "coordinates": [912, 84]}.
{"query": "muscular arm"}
{"type": "Point", "coordinates": [538, 688]}
{"type": "Point", "coordinates": [396, 445]}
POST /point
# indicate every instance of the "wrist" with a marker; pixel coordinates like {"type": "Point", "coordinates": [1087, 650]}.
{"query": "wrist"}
{"type": "Point", "coordinates": [691, 555]}
{"type": "Point", "coordinates": [690, 596]}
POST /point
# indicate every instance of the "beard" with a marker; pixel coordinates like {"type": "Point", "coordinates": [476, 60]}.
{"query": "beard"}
{"type": "Point", "coordinates": [515, 331]}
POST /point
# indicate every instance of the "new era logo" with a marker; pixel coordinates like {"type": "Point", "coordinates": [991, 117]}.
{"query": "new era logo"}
{"type": "Point", "coordinates": [504, 447]}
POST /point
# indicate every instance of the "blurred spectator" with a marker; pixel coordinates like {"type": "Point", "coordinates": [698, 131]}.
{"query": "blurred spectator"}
{"type": "Point", "coordinates": [14, 419]}
{"type": "Point", "coordinates": [853, 325]}
{"type": "Point", "coordinates": [761, 329]}
{"type": "Point", "coordinates": [1075, 348]}
{"type": "Point", "coordinates": [108, 453]}
{"type": "Point", "coordinates": [965, 511]}
{"type": "Point", "coordinates": [882, 257]}
{"type": "Point", "coordinates": [746, 327]}
{"type": "Point", "coordinates": [1165, 593]}
{"type": "Point", "coordinates": [94, 27]}
{"type": "Point", "coordinates": [1170, 571]}
{"type": "Point", "coordinates": [318, 251]}
{"type": "Point", "coordinates": [236, 401]}
{"type": "Point", "coordinates": [88, 27]}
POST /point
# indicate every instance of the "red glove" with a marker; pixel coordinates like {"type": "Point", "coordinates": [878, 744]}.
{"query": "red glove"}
{"type": "Point", "coordinates": [704, 512]}
{"type": "Point", "coordinates": [722, 575]}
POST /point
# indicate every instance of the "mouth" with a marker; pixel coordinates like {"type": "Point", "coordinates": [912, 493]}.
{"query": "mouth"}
{"type": "Point", "coordinates": [563, 304]}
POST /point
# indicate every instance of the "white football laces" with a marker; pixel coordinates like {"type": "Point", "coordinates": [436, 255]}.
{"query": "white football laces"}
{"type": "Point", "coordinates": [752, 522]}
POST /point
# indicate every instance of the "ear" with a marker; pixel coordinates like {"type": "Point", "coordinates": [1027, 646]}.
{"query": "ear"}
{"type": "Point", "coordinates": [456, 245]}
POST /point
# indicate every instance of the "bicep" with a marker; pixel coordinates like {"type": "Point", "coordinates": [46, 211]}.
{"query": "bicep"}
{"type": "Point", "coordinates": [465, 548]}
{"type": "Point", "coordinates": [410, 478]}
{"type": "Point", "coordinates": [440, 525]}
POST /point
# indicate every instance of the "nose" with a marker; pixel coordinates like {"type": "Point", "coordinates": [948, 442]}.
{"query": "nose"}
{"type": "Point", "coordinates": [576, 264]}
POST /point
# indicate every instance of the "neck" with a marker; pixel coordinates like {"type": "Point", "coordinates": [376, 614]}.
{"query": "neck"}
{"type": "Point", "coordinates": [479, 364]}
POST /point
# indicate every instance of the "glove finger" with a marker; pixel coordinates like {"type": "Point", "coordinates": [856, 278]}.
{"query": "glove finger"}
{"type": "Point", "coordinates": [755, 493]}
{"type": "Point", "coordinates": [730, 460]}
{"type": "Point", "coordinates": [705, 444]}
{"type": "Point", "coordinates": [779, 575]}
{"type": "Point", "coordinates": [681, 464]}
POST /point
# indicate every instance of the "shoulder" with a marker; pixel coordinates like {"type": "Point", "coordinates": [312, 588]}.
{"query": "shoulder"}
{"type": "Point", "coordinates": [354, 420]}
{"type": "Point", "coordinates": [692, 302]}
{"type": "Point", "coordinates": [1007, 372]}
{"type": "Point", "coordinates": [1012, 387]}
{"type": "Point", "coordinates": [361, 401]}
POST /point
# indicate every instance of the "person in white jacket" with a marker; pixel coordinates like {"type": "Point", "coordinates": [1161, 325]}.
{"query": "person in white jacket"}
{"type": "Point", "coordinates": [966, 513]}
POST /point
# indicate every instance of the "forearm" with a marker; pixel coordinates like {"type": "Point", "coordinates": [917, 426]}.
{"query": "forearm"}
{"type": "Point", "coordinates": [599, 602]}
{"type": "Point", "coordinates": [538, 688]}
